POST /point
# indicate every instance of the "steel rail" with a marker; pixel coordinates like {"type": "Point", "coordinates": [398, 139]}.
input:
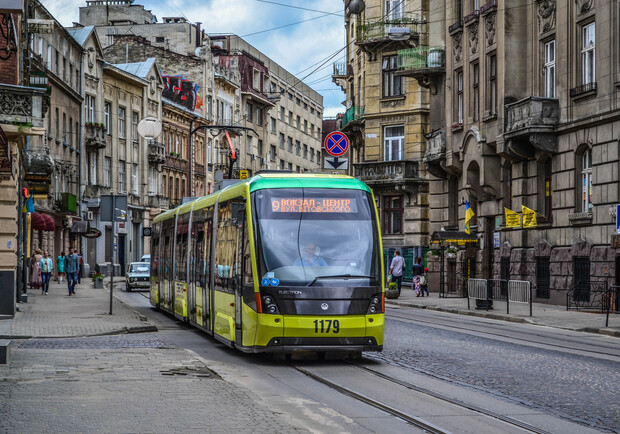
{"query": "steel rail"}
{"type": "Point", "coordinates": [415, 421]}
{"type": "Point", "coordinates": [477, 409]}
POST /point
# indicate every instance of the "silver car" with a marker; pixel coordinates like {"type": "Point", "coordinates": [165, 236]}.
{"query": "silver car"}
{"type": "Point", "coordinates": [138, 276]}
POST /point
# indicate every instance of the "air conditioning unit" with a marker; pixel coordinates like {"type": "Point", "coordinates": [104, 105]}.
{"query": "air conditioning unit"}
{"type": "Point", "coordinates": [262, 161]}
{"type": "Point", "coordinates": [89, 216]}
{"type": "Point", "coordinates": [254, 157]}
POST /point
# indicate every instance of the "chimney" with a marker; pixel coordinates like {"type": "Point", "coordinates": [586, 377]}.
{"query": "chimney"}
{"type": "Point", "coordinates": [198, 35]}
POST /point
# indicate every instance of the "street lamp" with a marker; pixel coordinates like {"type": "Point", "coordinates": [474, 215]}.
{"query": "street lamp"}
{"type": "Point", "coordinates": [357, 6]}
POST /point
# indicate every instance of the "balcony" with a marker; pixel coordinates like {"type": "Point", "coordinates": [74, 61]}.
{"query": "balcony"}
{"type": "Point", "coordinates": [456, 27]}
{"type": "Point", "coordinates": [95, 136]}
{"type": "Point", "coordinates": [158, 201]}
{"type": "Point", "coordinates": [471, 17]}
{"type": "Point", "coordinates": [157, 153]}
{"type": "Point", "coordinates": [421, 62]}
{"type": "Point", "coordinates": [20, 105]}
{"type": "Point", "coordinates": [530, 126]}
{"type": "Point", "coordinates": [488, 7]}
{"type": "Point", "coordinates": [353, 115]}
{"type": "Point", "coordinates": [372, 34]}
{"type": "Point", "coordinates": [388, 173]}
{"type": "Point", "coordinates": [96, 190]}
{"type": "Point", "coordinates": [340, 69]}
{"type": "Point", "coordinates": [584, 90]}
{"type": "Point", "coordinates": [199, 169]}
{"type": "Point", "coordinates": [66, 203]}
{"type": "Point", "coordinates": [435, 155]}
{"type": "Point", "coordinates": [177, 163]}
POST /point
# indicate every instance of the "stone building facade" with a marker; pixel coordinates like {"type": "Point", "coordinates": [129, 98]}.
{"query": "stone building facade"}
{"type": "Point", "coordinates": [386, 118]}
{"type": "Point", "coordinates": [539, 132]}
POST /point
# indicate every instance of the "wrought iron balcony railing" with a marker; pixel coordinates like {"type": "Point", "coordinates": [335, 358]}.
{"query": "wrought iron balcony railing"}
{"type": "Point", "coordinates": [354, 113]}
{"type": "Point", "coordinates": [422, 58]}
{"type": "Point", "coordinates": [398, 29]}
{"type": "Point", "coordinates": [340, 68]}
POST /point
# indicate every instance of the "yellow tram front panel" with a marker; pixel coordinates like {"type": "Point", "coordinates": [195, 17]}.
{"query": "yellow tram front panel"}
{"type": "Point", "coordinates": [300, 326]}
{"type": "Point", "coordinates": [180, 299]}
{"type": "Point", "coordinates": [267, 328]}
{"type": "Point", "coordinates": [224, 315]}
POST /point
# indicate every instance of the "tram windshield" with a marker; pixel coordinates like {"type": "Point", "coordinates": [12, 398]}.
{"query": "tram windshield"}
{"type": "Point", "coordinates": [316, 237]}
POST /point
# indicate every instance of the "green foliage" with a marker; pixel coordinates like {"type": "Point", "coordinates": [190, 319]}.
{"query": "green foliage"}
{"type": "Point", "coordinates": [97, 276]}
{"type": "Point", "coordinates": [392, 286]}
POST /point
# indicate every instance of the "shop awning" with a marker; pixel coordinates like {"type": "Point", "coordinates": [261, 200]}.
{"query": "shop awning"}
{"type": "Point", "coordinates": [80, 227]}
{"type": "Point", "coordinates": [42, 222]}
{"type": "Point", "coordinates": [453, 237]}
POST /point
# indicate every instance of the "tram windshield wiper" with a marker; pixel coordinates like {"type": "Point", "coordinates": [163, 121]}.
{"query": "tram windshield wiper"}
{"type": "Point", "coordinates": [339, 276]}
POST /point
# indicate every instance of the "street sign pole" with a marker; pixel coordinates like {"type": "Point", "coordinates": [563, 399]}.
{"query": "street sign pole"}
{"type": "Point", "coordinates": [114, 251]}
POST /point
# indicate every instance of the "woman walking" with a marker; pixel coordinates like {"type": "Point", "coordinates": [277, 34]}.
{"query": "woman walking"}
{"type": "Point", "coordinates": [418, 272]}
{"type": "Point", "coordinates": [61, 266]}
{"type": "Point", "coordinates": [35, 276]}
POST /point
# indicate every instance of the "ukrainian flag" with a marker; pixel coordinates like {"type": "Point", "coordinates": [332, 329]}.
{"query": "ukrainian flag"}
{"type": "Point", "coordinates": [469, 213]}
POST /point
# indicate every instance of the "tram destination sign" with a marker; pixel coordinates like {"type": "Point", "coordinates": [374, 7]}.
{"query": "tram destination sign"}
{"type": "Point", "coordinates": [314, 205]}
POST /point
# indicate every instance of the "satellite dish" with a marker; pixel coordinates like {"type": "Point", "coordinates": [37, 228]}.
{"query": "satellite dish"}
{"type": "Point", "coordinates": [149, 128]}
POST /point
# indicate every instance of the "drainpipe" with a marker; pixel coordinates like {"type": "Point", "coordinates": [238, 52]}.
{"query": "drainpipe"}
{"type": "Point", "coordinates": [81, 150]}
{"type": "Point", "coordinates": [191, 159]}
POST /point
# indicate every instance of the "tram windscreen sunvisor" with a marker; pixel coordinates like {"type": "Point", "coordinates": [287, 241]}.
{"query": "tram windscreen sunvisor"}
{"type": "Point", "coordinates": [316, 237]}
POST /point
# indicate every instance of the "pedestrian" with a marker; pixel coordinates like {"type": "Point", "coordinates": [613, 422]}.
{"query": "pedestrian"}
{"type": "Point", "coordinates": [418, 277]}
{"type": "Point", "coordinates": [425, 286]}
{"type": "Point", "coordinates": [71, 268]}
{"type": "Point", "coordinates": [35, 276]}
{"type": "Point", "coordinates": [309, 257]}
{"type": "Point", "coordinates": [61, 266]}
{"type": "Point", "coordinates": [79, 271]}
{"type": "Point", "coordinates": [397, 267]}
{"type": "Point", "coordinates": [47, 265]}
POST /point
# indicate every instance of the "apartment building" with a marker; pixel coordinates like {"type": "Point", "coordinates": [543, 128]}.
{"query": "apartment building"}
{"type": "Point", "coordinates": [529, 124]}
{"type": "Point", "coordinates": [386, 118]}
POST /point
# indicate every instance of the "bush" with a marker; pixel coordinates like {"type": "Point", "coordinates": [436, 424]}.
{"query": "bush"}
{"type": "Point", "coordinates": [97, 276]}
{"type": "Point", "coordinates": [392, 286]}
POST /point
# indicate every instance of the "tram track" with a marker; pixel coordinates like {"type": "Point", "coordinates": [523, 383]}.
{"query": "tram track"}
{"type": "Point", "coordinates": [524, 337]}
{"type": "Point", "coordinates": [413, 420]}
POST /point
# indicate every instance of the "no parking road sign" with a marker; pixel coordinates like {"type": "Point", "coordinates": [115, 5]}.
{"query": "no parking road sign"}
{"type": "Point", "coordinates": [336, 143]}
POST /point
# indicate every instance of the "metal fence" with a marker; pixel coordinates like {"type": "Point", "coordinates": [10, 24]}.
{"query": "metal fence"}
{"type": "Point", "coordinates": [511, 291]}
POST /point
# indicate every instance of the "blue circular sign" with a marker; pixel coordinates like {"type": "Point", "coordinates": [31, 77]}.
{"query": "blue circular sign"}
{"type": "Point", "coordinates": [336, 143]}
{"type": "Point", "coordinates": [275, 282]}
{"type": "Point", "coordinates": [265, 282]}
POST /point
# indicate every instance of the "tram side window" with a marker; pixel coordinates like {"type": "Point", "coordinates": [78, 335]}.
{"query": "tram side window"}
{"type": "Point", "coordinates": [168, 228]}
{"type": "Point", "coordinates": [181, 247]}
{"type": "Point", "coordinates": [155, 250]}
{"type": "Point", "coordinates": [196, 257]}
{"type": "Point", "coordinates": [208, 231]}
{"type": "Point", "coordinates": [228, 233]}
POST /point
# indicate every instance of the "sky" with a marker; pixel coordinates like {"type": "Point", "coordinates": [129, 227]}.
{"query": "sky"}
{"type": "Point", "coordinates": [304, 40]}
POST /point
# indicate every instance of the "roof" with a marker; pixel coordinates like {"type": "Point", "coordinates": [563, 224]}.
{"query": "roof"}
{"type": "Point", "coordinates": [81, 34]}
{"type": "Point", "coordinates": [139, 69]}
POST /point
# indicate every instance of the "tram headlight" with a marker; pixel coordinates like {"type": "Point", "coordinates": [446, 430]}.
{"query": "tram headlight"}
{"type": "Point", "coordinates": [375, 304]}
{"type": "Point", "coordinates": [269, 305]}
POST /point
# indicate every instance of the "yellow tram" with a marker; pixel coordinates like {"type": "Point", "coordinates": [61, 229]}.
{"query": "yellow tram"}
{"type": "Point", "coordinates": [276, 263]}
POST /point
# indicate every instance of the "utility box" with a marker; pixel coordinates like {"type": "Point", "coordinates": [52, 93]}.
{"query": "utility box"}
{"type": "Point", "coordinates": [7, 293]}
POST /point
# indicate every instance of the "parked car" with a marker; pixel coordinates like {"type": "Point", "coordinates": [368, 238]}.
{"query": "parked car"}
{"type": "Point", "coordinates": [138, 276]}
{"type": "Point", "coordinates": [146, 258]}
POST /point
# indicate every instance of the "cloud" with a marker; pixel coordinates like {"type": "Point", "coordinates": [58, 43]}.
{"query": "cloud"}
{"type": "Point", "coordinates": [296, 48]}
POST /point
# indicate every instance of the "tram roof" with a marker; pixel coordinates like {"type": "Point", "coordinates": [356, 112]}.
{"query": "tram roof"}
{"type": "Point", "coordinates": [271, 180]}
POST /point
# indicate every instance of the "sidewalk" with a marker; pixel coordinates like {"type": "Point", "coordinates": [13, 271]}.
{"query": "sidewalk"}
{"type": "Point", "coordinates": [87, 313]}
{"type": "Point", "coordinates": [542, 314]}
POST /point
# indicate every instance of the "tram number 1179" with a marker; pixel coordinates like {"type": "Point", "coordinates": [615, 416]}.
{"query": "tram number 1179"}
{"type": "Point", "coordinates": [325, 325]}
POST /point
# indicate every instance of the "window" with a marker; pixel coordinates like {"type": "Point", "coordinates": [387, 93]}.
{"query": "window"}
{"type": "Point", "coordinates": [152, 184]}
{"type": "Point", "coordinates": [394, 9]}
{"type": "Point", "coordinates": [453, 201]}
{"type": "Point", "coordinates": [588, 45]}
{"type": "Point", "coordinates": [290, 117]}
{"type": "Point", "coordinates": [90, 108]}
{"type": "Point", "coordinates": [297, 101]}
{"type": "Point", "coordinates": [249, 112]}
{"type": "Point", "coordinates": [259, 147]}
{"type": "Point", "coordinates": [272, 153]}
{"type": "Point", "coordinates": [159, 39]}
{"type": "Point", "coordinates": [459, 10]}
{"type": "Point", "coordinates": [107, 109]}
{"type": "Point", "coordinates": [312, 130]}
{"type": "Point", "coordinates": [256, 79]}
{"type": "Point", "coordinates": [305, 154]}
{"type": "Point", "coordinates": [549, 69]}
{"type": "Point", "coordinates": [289, 144]}
{"type": "Point", "coordinates": [209, 106]}
{"type": "Point", "coordinates": [311, 154]}
{"type": "Point", "coordinates": [281, 141]}
{"type": "Point", "coordinates": [476, 91]}
{"type": "Point", "coordinates": [459, 97]}
{"type": "Point", "coordinates": [64, 128]}
{"type": "Point", "coordinates": [543, 277]}
{"type": "Point", "coordinates": [281, 164]}
{"type": "Point", "coordinates": [282, 114]}
{"type": "Point", "coordinates": [121, 176]}
{"type": "Point", "coordinates": [70, 132]}
{"type": "Point", "coordinates": [305, 126]}
{"type": "Point", "coordinates": [107, 171]}
{"type": "Point", "coordinates": [122, 133]}
{"type": "Point", "coordinates": [248, 144]}
{"type": "Point", "coordinates": [544, 188]}
{"type": "Point", "coordinates": [272, 125]}
{"type": "Point", "coordinates": [298, 123]}
{"type": "Point", "coordinates": [392, 215]}
{"type": "Point", "coordinates": [92, 168]}
{"type": "Point", "coordinates": [134, 127]}
{"type": "Point", "coordinates": [507, 185]}
{"type": "Point", "coordinates": [259, 116]}
{"type": "Point", "coordinates": [586, 181]}
{"type": "Point", "coordinates": [297, 147]}
{"type": "Point", "coordinates": [57, 122]}
{"type": "Point", "coordinates": [392, 84]}
{"type": "Point", "coordinates": [135, 180]}
{"type": "Point", "coordinates": [394, 142]}
{"type": "Point", "coordinates": [290, 166]}
{"type": "Point", "coordinates": [492, 84]}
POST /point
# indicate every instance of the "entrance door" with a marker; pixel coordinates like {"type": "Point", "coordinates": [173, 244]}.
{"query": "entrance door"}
{"type": "Point", "coordinates": [121, 253]}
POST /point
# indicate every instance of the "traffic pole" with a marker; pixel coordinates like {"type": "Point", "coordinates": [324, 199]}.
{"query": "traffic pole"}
{"type": "Point", "coordinates": [113, 251]}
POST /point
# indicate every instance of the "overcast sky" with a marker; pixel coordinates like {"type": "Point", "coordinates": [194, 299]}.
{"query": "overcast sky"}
{"type": "Point", "coordinates": [295, 47]}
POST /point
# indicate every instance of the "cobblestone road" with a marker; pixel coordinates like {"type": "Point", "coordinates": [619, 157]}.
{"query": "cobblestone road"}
{"type": "Point", "coordinates": [578, 388]}
{"type": "Point", "coordinates": [126, 383]}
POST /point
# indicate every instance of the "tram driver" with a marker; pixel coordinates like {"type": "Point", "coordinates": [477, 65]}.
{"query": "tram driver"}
{"type": "Point", "coordinates": [309, 257]}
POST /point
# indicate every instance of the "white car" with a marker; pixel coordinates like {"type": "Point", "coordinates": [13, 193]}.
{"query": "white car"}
{"type": "Point", "coordinates": [138, 276]}
{"type": "Point", "coordinates": [146, 258]}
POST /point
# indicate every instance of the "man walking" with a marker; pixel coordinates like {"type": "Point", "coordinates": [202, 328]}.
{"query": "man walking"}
{"type": "Point", "coordinates": [46, 265]}
{"type": "Point", "coordinates": [71, 266]}
{"type": "Point", "coordinates": [397, 268]}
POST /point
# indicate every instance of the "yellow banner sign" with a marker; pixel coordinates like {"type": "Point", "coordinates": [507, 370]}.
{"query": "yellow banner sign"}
{"type": "Point", "coordinates": [529, 217]}
{"type": "Point", "coordinates": [513, 219]}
